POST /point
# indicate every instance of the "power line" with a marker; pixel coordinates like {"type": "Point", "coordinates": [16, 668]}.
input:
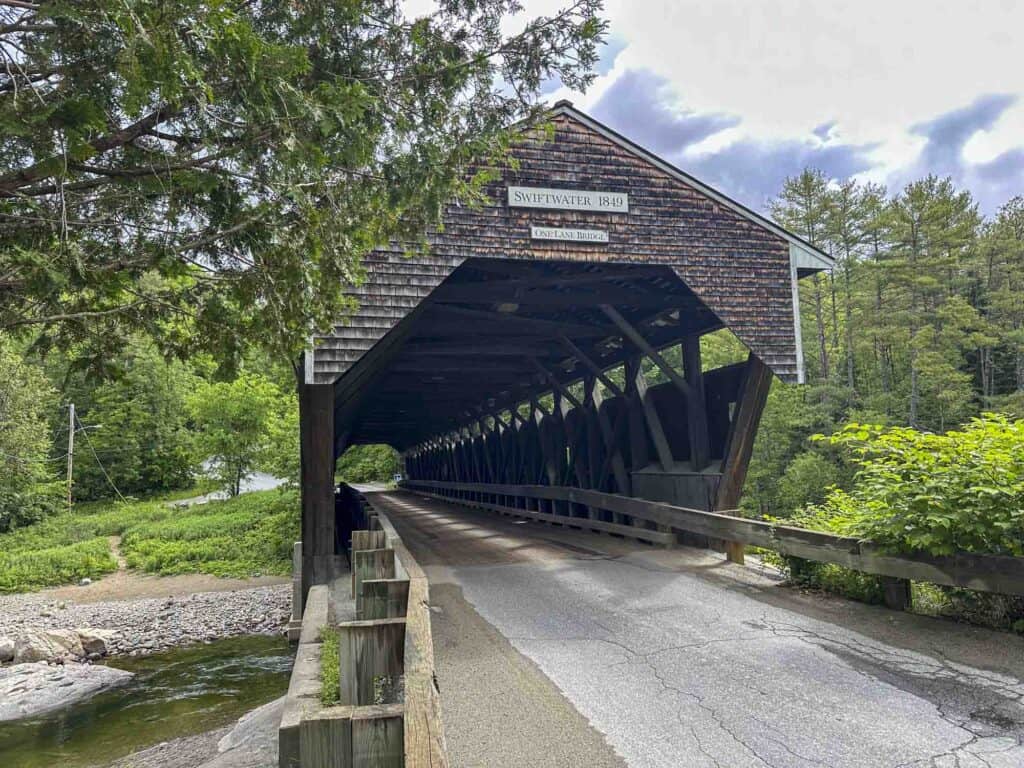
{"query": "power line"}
{"type": "Point", "coordinates": [24, 460]}
{"type": "Point", "coordinates": [103, 469]}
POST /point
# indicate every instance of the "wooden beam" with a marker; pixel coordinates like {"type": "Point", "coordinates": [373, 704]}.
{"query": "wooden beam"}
{"type": "Point", "coordinates": [486, 293]}
{"type": "Point", "coordinates": [518, 321]}
{"type": "Point", "coordinates": [654, 426]}
{"type": "Point", "coordinates": [696, 404]}
{"type": "Point", "coordinates": [611, 437]}
{"type": "Point", "coordinates": [316, 427]}
{"type": "Point", "coordinates": [641, 343]}
{"type": "Point", "coordinates": [593, 367]}
{"type": "Point", "coordinates": [740, 441]}
{"type": "Point", "coordinates": [986, 573]}
{"type": "Point", "coordinates": [555, 383]}
{"type": "Point", "coordinates": [628, 272]}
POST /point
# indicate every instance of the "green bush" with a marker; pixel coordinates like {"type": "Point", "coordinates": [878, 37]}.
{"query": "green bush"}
{"type": "Point", "coordinates": [29, 485]}
{"type": "Point", "coordinates": [830, 577]}
{"type": "Point", "coordinates": [962, 491]}
{"type": "Point", "coordinates": [249, 534]}
{"type": "Point", "coordinates": [34, 569]}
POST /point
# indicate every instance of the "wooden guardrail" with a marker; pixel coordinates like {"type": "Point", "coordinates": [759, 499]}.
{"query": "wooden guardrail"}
{"type": "Point", "coordinates": [389, 714]}
{"type": "Point", "coordinates": [984, 573]}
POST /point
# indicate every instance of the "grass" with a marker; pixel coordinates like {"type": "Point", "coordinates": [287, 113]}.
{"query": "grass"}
{"type": "Point", "coordinates": [330, 667]}
{"type": "Point", "coordinates": [245, 536]}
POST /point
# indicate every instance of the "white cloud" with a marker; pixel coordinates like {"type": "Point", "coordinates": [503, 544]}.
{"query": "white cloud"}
{"type": "Point", "coordinates": [769, 74]}
{"type": "Point", "coordinates": [874, 68]}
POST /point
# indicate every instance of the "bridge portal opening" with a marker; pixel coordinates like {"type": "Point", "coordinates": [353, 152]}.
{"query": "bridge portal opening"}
{"type": "Point", "coordinates": [511, 355]}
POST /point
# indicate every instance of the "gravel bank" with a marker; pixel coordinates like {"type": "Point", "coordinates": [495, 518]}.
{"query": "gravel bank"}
{"type": "Point", "coordinates": [154, 624]}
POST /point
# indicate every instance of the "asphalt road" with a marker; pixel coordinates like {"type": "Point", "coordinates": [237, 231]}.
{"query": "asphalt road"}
{"type": "Point", "coordinates": [561, 648]}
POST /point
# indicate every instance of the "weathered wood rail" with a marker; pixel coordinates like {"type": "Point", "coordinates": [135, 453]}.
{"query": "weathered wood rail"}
{"type": "Point", "coordinates": [984, 573]}
{"type": "Point", "coordinates": [389, 714]}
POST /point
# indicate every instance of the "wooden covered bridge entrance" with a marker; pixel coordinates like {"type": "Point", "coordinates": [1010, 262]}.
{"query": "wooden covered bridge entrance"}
{"type": "Point", "coordinates": [508, 364]}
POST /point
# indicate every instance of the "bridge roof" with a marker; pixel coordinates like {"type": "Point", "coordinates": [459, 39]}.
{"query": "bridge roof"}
{"type": "Point", "coordinates": [483, 317]}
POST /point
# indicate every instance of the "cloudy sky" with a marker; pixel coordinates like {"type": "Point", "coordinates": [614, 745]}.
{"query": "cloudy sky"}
{"type": "Point", "coordinates": [742, 93]}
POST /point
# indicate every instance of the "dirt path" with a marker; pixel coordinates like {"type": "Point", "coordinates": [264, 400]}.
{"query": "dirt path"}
{"type": "Point", "coordinates": [130, 585]}
{"type": "Point", "coordinates": [125, 584]}
{"type": "Point", "coordinates": [115, 550]}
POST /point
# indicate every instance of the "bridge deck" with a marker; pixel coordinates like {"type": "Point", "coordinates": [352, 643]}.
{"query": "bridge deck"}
{"type": "Point", "coordinates": [678, 659]}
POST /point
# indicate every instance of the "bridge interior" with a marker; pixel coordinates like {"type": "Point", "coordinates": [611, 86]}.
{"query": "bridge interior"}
{"type": "Point", "coordinates": [498, 334]}
{"type": "Point", "coordinates": [525, 373]}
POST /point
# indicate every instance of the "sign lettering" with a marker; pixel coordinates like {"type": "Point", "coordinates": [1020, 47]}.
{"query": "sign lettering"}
{"type": "Point", "coordinates": [568, 199]}
{"type": "Point", "coordinates": [569, 235]}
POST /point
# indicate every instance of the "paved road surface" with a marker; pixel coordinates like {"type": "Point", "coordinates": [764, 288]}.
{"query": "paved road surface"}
{"type": "Point", "coordinates": [559, 648]}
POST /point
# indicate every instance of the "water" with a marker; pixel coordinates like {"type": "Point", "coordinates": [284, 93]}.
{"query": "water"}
{"type": "Point", "coordinates": [178, 693]}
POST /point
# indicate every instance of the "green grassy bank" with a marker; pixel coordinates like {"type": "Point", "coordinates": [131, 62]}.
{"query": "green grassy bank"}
{"type": "Point", "coordinates": [248, 535]}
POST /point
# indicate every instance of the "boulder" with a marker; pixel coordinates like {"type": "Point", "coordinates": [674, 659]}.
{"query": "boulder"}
{"type": "Point", "coordinates": [97, 640]}
{"type": "Point", "coordinates": [28, 690]}
{"type": "Point", "coordinates": [253, 740]}
{"type": "Point", "coordinates": [6, 649]}
{"type": "Point", "coordinates": [47, 645]}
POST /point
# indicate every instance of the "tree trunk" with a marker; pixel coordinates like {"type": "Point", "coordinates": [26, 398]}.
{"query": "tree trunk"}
{"type": "Point", "coordinates": [850, 378]}
{"type": "Point", "coordinates": [914, 394]}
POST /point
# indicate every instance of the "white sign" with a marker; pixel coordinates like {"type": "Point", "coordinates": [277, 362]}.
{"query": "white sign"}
{"type": "Point", "coordinates": [569, 235]}
{"type": "Point", "coordinates": [568, 199]}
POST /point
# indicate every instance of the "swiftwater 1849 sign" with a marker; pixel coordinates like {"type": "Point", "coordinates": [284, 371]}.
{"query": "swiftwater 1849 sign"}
{"type": "Point", "coordinates": [569, 235]}
{"type": "Point", "coordinates": [568, 199]}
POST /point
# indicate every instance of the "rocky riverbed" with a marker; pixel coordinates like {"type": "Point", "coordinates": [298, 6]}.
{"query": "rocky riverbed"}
{"type": "Point", "coordinates": [152, 624]}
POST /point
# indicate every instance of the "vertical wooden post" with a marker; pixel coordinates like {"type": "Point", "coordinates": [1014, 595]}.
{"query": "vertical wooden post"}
{"type": "Point", "coordinates": [385, 598]}
{"type": "Point", "coordinates": [370, 564]}
{"type": "Point", "coordinates": [897, 593]}
{"type": "Point", "coordinates": [378, 739]}
{"type": "Point", "coordinates": [696, 405]}
{"type": "Point", "coordinates": [325, 740]}
{"type": "Point", "coordinates": [757, 380]}
{"type": "Point", "coordinates": [316, 425]}
{"type": "Point", "coordinates": [371, 658]}
{"type": "Point", "coordinates": [297, 581]}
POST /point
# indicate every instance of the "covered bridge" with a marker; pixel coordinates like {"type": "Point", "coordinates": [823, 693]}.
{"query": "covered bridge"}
{"type": "Point", "coordinates": [506, 364]}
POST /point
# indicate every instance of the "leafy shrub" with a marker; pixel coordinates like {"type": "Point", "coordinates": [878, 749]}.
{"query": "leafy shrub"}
{"type": "Point", "coordinates": [829, 577]}
{"type": "Point", "coordinates": [807, 480]}
{"type": "Point", "coordinates": [28, 505]}
{"type": "Point", "coordinates": [249, 534]}
{"type": "Point", "coordinates": [34, 569]}
{"type": "Point", "coordinates": [962, 491]}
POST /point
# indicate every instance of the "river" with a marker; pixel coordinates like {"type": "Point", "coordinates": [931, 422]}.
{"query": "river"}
{"type": "Point", "coordinates": [177, 693]}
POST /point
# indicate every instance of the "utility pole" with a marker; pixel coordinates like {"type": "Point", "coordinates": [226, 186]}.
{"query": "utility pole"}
{"type": "Point", "coordinates": [71, 448]}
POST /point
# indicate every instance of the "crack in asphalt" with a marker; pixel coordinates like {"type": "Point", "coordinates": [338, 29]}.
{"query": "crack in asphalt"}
{"type": "Point", "coordinates": [918, 674]}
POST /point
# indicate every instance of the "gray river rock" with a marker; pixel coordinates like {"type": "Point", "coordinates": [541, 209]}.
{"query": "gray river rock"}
{"type": "Point", "coordinates": [27, 690]}
{"type": "Point", "coordinates": [141, 626]}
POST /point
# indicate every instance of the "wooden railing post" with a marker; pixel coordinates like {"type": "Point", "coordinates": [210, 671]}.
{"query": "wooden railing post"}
{"type": "Point", "coordinates": [371, 660]}
{"type": "Point", "coordinates": [295, 623]}
{"type": "Point", "coordinates": [370, 564]}
{"type": "Point", "coordinates": [378, 737]}
{"type": "Point", "coordinates": [385, 598]}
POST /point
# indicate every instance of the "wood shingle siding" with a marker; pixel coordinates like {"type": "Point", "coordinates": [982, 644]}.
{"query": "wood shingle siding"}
{"type": "Point", "coordinates": [737, 265]}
